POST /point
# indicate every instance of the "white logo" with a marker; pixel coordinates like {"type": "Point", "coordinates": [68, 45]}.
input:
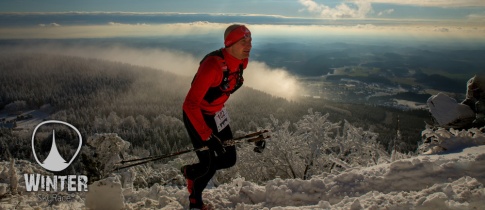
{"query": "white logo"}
{"type": "Point", "coordinates": [54, 160]}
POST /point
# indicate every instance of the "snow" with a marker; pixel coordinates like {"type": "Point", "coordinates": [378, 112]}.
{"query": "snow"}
{"type": "Point", "coordinates": [441, 179]}
{"type": "Point", "coordinates": [3, 189]}
{"type": "Point", "coordinates": [108, 189]}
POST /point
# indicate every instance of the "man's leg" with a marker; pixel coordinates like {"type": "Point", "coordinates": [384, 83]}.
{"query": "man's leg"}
{"type": "Point", "coordinates": [480, 113]}
{"type": "Point", "coordinates": [199, 174]}
{"type": "Point", "coordinates": [204, 171]}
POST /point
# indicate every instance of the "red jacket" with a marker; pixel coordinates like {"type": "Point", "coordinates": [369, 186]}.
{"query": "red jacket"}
{"type": "Point", "coordinates": [209, 74]}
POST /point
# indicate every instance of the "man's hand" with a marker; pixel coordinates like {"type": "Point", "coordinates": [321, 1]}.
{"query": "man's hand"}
{"type": "Point", "coordinates": [260, 145]}
{"type": "Point", "coordinates": [476, 93]}
{"type": "Point", "coordinates": [215, 144]}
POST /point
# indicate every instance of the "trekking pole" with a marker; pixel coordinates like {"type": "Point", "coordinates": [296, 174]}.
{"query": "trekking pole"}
{"type": "Point", "coordinates": [191, 150]}
{"type": "Point", "coordinates": [252, 137]}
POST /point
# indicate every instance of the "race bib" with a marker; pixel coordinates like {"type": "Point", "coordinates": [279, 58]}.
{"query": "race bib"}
{"type": "Point", "coordinates": [222, 119]}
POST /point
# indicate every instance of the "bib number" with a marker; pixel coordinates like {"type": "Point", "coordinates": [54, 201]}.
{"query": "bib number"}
{"type": "Point", "coordinates": [222, 119]}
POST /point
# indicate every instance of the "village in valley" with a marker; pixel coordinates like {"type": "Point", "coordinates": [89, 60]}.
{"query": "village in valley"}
{"type": "Point", "coordinates": [378, 91]}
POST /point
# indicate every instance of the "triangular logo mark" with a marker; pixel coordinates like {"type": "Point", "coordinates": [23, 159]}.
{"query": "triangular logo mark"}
{"type": "Point", "coordinates": [54, 160]}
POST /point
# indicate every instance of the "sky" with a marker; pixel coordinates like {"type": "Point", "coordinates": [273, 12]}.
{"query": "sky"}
{"type": "Point", "coordinates": [361, 9]}
{"type": "Point", "coordinates": [464, 19]}
{"type": "Point", "coordinates": [465, 11]}
{"type": "Point", "coordinates": [419, 22]}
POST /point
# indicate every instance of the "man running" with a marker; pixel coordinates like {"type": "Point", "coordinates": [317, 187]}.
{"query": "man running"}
{"type": "Point", "coordinates": [207, 121]}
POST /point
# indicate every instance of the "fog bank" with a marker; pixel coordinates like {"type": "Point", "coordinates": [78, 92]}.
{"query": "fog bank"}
{"type": "Point", "coordinates": [258, 75]}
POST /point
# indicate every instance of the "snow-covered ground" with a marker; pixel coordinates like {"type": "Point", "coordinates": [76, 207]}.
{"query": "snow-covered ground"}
{"type": "Point", "coordinates": [450, 179]}
{"type": "Point", "coordinates": [37, 116]}
{"type": "Point", "coordinates": [410, 104]}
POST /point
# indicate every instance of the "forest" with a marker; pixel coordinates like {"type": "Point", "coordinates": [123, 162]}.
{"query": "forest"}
{"type": "Point", "coordinates": [144, 105]}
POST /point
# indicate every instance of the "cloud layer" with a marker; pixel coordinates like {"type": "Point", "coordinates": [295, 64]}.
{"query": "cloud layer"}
{"type": "Point", "coordinates": [433, 3]}
{"type": "Point", "coordinates": [360, 9]}
{"type": "Point", "coordinates": [471, 31]}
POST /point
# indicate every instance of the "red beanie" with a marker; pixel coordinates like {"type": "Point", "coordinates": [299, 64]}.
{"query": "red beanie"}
{"type": "Point", "coordinates": [236, 35]}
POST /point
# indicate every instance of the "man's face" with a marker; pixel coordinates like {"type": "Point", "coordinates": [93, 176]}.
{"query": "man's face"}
{"type": "Point", "coordinates": [241, 48]}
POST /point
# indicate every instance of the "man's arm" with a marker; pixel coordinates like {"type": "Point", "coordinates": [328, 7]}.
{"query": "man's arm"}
{"type": "Point", "coordinates": [206, 75]}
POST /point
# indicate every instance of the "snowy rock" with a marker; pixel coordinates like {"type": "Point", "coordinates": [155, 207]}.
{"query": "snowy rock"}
{"type": "Point", "coordinates": [440, 140]}
{"type": "Point", "coordinates": [105, 194]}
{"type": "Point", "coordinates": [108, 148]}
{"type": "Point", "coordinates": [324, 205]}
{"type": "Point", "coordinates": [4, 175]}
{"type": "Point", "coordinates": [166, 202]}
{"type": "Point", "coordinates": [3, 189]}
{"type": "Point", "coordinates": [448, 113]}
{"type": "Point", "coordinates": [127, 178]}
{"type": "Point", "coordinates": [355, 205]}
{"type": "Point", "coordinates": [435, 201]}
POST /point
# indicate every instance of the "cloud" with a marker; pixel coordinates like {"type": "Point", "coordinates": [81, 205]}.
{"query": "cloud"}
{"type": "Point", "coordinates": [281, 84]}
{"type": "Point", "coordinates": [275, 81]}
{"type": "Point", "coordinates": [385, 12]}
{"type": "Point", "coordinates": [359, 9]}
{"type": "Point", "coordinates": [444, 30]}
{"type": "Point", "coordinates": [50, 25]}
{"type": "Point", "coordinates": [112, 29]}
{"type": "Point", "coordinates": [354, 9]}
{"type": "Point", "coordinates": [476, 17]}
{"type": "Point", "coordinates": [433, 3]}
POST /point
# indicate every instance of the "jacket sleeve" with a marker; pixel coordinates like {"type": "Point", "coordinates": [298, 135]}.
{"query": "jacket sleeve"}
{"type": "Point", "coordinates": [204, 79]}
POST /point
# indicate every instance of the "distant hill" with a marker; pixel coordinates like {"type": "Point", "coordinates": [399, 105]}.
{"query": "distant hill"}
{"type": "Point", "coordinates": [440, 68]}
{"type": "Point", "coordinates": [440, 82]}
{"type": "Point", "coordinates": [143, 105]}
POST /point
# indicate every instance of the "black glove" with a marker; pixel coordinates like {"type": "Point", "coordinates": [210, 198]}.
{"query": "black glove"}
{"type": "Point", "coordinates": [476, 93]}
{"type": "Point", "coordinates": [215, 144]}
{"type": "Point", "coordinates": [260, 145]}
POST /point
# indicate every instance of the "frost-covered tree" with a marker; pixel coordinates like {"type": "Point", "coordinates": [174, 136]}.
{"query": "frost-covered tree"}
{"type": "Point", "coordinates": [142, 121]}
{"type": "Point", "coordinates": [317, 145]}
{"type": "Point", "coordinates": [128, 123]}
{"type": "Point", "coordinates": [113, 120]}
{"type": "Point", "coordinates": [16, 106]}
{"type": "Point", "coordinates": [317, 136]}
{"type": "Point", "coordinates": [358, 147]}
{"type": "Point", "coordinates": [14, 180]}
